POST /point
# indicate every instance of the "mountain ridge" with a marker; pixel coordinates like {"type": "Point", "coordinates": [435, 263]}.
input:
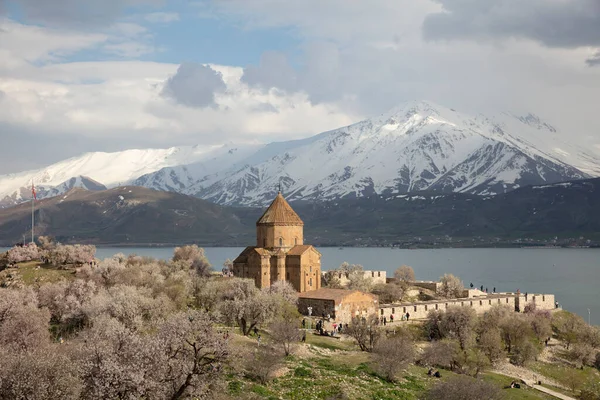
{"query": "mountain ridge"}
{"type": "Point", "coordinates": [413, 147]}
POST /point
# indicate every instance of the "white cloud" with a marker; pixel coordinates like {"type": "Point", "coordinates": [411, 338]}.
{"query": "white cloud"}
{"type": "Point", "coordinates": [28, 43]}
{"type": "Point", "coordinates": [162, 17]}
{"type": "Point", "coordinates": [79, 14]}
{"type": "Point", "coordinates": [355, 59]}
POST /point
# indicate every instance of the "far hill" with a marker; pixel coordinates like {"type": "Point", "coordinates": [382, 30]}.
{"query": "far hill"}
{"type": "Point", "coordinates": [125, 215]}
{"type": "Point", "coordinates": [566, 210]}
{"type": "Point", "coordinates": [135, 215]}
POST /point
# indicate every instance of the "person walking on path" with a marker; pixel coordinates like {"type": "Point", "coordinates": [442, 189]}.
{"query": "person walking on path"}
{"type": "Point", "coordinates": [384, 321]}
{"type": "Point", "coordinates": [391, 318]}
{"type": "Point", "coordinates": [407, 316]}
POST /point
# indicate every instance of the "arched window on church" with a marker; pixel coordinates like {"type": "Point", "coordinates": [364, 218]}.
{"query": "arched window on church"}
{"type": "Point", "coordinates": [280, 242]}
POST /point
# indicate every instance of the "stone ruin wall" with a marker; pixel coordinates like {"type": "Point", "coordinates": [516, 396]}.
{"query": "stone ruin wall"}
{"type": "Point", "coordinates": [377, 277]}
{"type": "Point", "coordinates": [419, 310]}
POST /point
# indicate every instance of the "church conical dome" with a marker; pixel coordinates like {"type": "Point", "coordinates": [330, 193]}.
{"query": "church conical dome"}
{"type": "Point", "coordinates": [280, 213]}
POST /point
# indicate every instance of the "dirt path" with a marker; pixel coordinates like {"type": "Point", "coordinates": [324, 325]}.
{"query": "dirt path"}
{"type": "Point", "coordinates": [552, 393]}
{"type": "Point", "coordinates": [531, 378]}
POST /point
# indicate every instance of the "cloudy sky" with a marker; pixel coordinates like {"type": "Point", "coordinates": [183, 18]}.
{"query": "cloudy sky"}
{"type": "Point", "coordinates": [87, 75]}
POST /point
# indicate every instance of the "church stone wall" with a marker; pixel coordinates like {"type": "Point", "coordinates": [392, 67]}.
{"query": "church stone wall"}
{"type": "Point", "coordinates": [310, 267]}
{"type": "Point", "coordinates": [268, 236]}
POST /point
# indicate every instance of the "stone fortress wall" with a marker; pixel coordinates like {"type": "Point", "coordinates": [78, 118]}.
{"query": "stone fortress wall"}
{"type": "Point", "coordinates": [419, 310]}
{"type": "Point", "coordinates": [377, 277]}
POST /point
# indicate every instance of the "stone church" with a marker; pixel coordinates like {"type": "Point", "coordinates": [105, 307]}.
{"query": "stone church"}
{"type": "Point", "coordinates": [280, 253]}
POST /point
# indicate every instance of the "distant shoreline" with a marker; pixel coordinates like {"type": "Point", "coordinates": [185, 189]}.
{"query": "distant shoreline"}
{"type": "Point", "coordinates": [341, 247]}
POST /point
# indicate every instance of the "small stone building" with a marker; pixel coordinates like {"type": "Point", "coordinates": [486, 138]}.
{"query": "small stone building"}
{"type": "Point", "coordinates": [340, 304]}
{"type": "Point", "coordinates": [280, 253]}
{"type": "Point", "coordinates": [377, 277]}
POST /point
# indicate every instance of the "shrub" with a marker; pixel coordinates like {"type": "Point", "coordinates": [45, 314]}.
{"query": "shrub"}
{"type": "Point", "coordinates": [490, 343]}
{"type": "Point", "coordinates": [193, 257]}
{"type": "Point", "coordinates": [443, 354]}
{"type": "Point", "coordinates": [71, 254]}
{"type": "Point", "coordinates": [365, 332]}
{"type": "Point", "coordinates": [392, 356]}
{"type": "Point", "coordinates": [464, 388]}
{"type": "Point", "coordinates": [591, 390]}
{"type": "Point", "coordinates": [458, 323]}
{"type": "Point", "coordinates": [451, 286]}
{"type": "Point", "coordinates": [404, 275]}
{"type": "Point", "coordinates": [524, 352]}
{"type": "Point", "coordinates": [28, 252]}
{"type": "Point", "coordinates": [388, 293]}
{"type": "Point", "coordinates": [262, 365]}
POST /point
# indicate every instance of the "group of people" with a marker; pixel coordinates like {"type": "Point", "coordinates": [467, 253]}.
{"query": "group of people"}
{"type": "Point", "coordinates": [481, 288]}
{"type": "Point", "coordinates": [320, 328]}
{"type": "Point", "coordinates": [383, 320]}
{"type": "Point", "coordinates": [434, 373]}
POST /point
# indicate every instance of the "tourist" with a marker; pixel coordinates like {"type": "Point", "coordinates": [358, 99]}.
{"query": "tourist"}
{"type": "Point", "coordinates": [255, 330]}
{"type": "Point", "coordinates": [471, 285]}
{"type": "Point", "coordinates": [303, 323]}
{"type": "Point", "coordinates": [303, 336]}
{"type": "Point", "coordinates": [384, 321]}
{"type": "Point", "coordinates": [340, 328]}
{"type": "Point", "coordinates": [334, 326]}
{"type": "Point", "coordinates": [391, 318]}
{"type": "Point", "coordinates": [482, 288]}
{"type": "Point", "coordinates": [407, 316]}
{"type": "Point", "coordinates": [494, 289]}
{"type": "Point", "coordinates": [258, 340]}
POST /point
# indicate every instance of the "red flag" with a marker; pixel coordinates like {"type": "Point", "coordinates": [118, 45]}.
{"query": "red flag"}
{"type": "Point", "coordinates": [33, 191]}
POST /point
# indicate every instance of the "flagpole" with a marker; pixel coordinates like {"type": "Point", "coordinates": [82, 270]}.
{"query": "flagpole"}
{"type": "Point", "coordinates": [32, 210]}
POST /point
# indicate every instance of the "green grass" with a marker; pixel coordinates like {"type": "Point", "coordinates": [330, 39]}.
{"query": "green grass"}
{"type": "Point", "coordinates": [329, 342]}
{"type": "Point", "coordinates": [30, 274]}
{"type": "Point", "coordinates": [344, 374]}
{"type": "Point", "coordinates": [565, 375]}
{"type": "Point", "coordinates": [525, 393]}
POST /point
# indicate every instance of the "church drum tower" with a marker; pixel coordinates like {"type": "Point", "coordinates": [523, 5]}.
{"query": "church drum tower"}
{"type": "Point", "coordinates": [280, 253]}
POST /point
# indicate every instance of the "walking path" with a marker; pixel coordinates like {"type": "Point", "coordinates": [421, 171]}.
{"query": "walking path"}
{"type": "Point", "coordinates": [530, 378]}
{"type": "Point", "coordinates": [552, 393]}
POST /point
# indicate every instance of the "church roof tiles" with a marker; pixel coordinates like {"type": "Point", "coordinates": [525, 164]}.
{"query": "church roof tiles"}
{"type": "Point", "coordinates": [279, 213]}
{"type": "Point", "coordinates": [299, 250]}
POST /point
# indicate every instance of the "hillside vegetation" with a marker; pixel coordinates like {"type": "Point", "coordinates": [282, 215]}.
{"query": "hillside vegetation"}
{"type": "Point", "coordinates": [130, 327]}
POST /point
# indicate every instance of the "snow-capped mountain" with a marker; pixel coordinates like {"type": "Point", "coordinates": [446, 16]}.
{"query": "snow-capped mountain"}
{"type": "Point", "coordinates": [98, 170]}
{"type": "Point", "coordinates": [415, 146]}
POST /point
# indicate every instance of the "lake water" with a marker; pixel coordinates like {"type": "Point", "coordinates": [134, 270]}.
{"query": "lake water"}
{"type": "Point", "coordinates": [573, 275]}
